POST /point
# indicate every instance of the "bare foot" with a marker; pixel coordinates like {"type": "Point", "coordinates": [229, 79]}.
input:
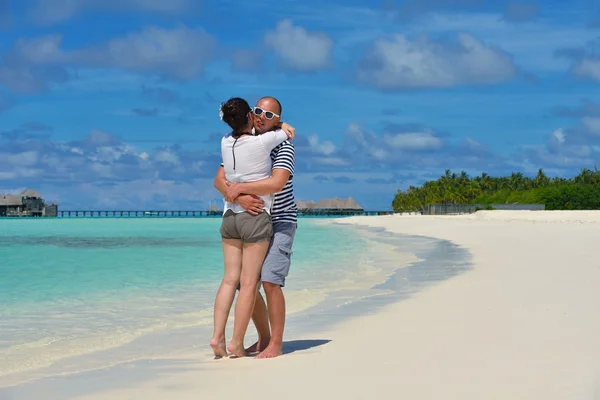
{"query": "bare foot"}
{"type": "Point", "coordinates": [271, 351]}
{"type": "Point", "coordinates": [218, 346]}
{"type": "Point", "coordinates": [257, 347]}
{"type": "Point", "coordinates": [237, 349]}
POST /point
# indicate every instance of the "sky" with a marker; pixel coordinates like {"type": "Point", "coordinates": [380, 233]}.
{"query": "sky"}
{"type": "Point", "coordinates": [113, 104]}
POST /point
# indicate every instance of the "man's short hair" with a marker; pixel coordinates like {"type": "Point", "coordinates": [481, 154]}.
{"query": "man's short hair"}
{"type": "Point", "coordinates": [275, 100]}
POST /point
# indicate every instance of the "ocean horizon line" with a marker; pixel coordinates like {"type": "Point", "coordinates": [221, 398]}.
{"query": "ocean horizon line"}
{"type": "Point", "coordinates": [188, 213]}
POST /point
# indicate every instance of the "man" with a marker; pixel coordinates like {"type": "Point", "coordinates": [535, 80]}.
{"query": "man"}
{"type": "Point", "coordinates": [267, 116]}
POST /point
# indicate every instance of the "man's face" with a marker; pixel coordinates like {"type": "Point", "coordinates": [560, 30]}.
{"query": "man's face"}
{"type": "Point", "coordinates": [261, 123]}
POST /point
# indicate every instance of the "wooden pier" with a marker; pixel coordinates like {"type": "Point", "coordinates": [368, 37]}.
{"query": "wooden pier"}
{"type": "Point", "coordinates": [137, 213]}
{"type": "Point", "coordinates": [340, 213]}
{"type": "Point", "coordinates": [185, 213]}
{"type": "Point", "coordinates": [198, 214]}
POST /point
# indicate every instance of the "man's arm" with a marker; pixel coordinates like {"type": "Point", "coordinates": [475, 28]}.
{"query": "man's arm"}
{"type": "Point", "coordinates": [274, 184]}
{"type": "Point", "coordinates": [250, 203]}
{"type": "Point", "coordinates": [220, 182]}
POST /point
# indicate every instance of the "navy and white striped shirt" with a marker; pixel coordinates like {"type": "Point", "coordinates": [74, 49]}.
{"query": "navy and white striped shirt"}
{"type": "Point", "coordinates": [284, 208]}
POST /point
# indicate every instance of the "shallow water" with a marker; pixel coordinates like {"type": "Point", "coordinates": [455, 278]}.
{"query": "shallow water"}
{"type": "Point", "coordinates": [73, 287]}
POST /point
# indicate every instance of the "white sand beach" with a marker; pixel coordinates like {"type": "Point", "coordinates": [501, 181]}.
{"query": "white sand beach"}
{"type": "Point", "coordinates": [523, 323]}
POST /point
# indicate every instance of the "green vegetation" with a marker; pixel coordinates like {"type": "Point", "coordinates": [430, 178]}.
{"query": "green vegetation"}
{"type": "Point", "coordinates": [582, 192]}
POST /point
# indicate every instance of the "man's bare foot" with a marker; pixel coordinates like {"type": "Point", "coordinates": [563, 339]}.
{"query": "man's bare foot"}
{"type": "Point", "coordinates": [218, 346]}
{"type": "Point", "coordinates": [271, 351]}
{"type": "Point", "coordinates": [257, 347]}
{"type": "Point", "coordinates": [236, 349]}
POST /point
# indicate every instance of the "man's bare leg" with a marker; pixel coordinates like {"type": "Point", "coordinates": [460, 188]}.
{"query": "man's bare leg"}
{"type": "Point", "coordinates": [260, 317]}
{"type": "Point", "coordinates": [276, 306]}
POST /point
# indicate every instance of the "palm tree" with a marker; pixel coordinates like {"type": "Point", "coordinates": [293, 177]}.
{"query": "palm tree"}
{"type": "Point", "coordinates": [461, 189]}
{"type": "Point", "coordinates": [541, 180]}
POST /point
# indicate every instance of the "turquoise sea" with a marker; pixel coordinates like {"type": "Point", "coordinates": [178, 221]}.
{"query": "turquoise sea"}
{"type": "Point", "coordinates": [77, 287]}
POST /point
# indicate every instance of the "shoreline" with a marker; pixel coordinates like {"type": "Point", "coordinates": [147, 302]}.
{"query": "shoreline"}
{"type": "Point", "coordinates": [337, 307]}
{"type": "Point", "coordinates": [301, 303]}
{"type": "Point", "coordinates": [520, 322]}
{"type": "Point", "coordinates": [186, 312]}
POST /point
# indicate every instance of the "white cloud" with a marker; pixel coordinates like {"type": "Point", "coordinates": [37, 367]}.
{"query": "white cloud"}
{"type": "Point", "coordinates": [299, 49]}
{"type": "Point", "coordinates": [55, 11]}
{"type": "Point", "coordinates": [527, 42]}
{"type": "Point", "coordinates": [558, 137]}
{"type": "Point", "coordinates": [135, 194]}
{"type": "Point", "coordinates": [101, 157]}
{"type": "Point", "coordinates": [23, 159]}
{"type": "Point", "coordinates": [561, 151]}
{"type": "Point", "coordinates": [414, 141]}
{"type": "Point", "coordinates": [588, 68]}
{"type": "Point", "coordinates": [326, 147]}
{"type": "Point", "coordinates": [166, 156]}
{"type": "Point", "coordinates": [332, 161]}
{"type": "Point", "coordinates": [473, 145]}
{"type": "Point", "coordinates": [19, 165]}
{"type": "Point", "coordinates": [400, 63]}
{"type": "Point", "coordinates": [181, 52]}
{"type": "Point", "coordinates": [177, 53]}
{"type": "Point", "coordinates": [592, 124]}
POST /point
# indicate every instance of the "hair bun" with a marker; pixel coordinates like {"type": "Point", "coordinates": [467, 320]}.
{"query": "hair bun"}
{"type": "Point", "coordinates": [235, 113]}
{"type": "Point", "coordinates": [227, 108]}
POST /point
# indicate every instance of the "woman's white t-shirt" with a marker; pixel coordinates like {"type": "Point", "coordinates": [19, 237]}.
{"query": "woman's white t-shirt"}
{"type": "Point", "coordinates": [248, 159]}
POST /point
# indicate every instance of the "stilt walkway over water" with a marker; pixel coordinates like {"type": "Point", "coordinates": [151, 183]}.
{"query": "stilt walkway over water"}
{"type": "Point", "coordinates": [137, 214]}
{"type": "Point", "coordinates": [189, 213]}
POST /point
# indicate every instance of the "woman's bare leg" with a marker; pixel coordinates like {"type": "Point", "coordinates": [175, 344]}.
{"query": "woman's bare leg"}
{"type": "Point", "coordinates": [232, 255]}
{"type": "Point", "coordinates": [253, 256]}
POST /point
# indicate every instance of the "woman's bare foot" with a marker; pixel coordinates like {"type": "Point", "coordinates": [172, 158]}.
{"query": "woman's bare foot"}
{"type": "Point", "coordinates": [218, 346]}
{"type": "Point", "coordinates": [236, 349]}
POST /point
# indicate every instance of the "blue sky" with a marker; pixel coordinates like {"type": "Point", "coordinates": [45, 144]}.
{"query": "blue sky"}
{"type": "Point", "coordinates": [114, 103]}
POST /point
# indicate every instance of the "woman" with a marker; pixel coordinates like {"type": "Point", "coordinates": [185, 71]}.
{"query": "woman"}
{"type": "Point", "coordinates": [245, 237]}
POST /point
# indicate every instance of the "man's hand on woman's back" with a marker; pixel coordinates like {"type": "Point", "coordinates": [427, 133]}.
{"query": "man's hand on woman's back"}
{"type": "Point", "coordinates": [251, 203]}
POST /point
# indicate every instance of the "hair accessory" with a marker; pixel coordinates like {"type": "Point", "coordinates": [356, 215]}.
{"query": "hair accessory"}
{"type": "Point", "coordinates": [221, 111]}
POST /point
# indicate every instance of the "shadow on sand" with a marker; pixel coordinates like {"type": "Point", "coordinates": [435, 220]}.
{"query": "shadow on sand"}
{"type": "Point", "coordinates": [299, 345]}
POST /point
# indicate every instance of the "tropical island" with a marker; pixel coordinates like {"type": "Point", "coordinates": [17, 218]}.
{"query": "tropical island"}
{"type": "Point", "coordinates": [582, 192]}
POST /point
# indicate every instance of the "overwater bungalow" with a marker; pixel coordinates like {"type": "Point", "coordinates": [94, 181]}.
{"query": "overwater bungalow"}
{"type": "Point", "coordinates": [329, 206]}
{"type": "Point", "coordinates": [29, 203]}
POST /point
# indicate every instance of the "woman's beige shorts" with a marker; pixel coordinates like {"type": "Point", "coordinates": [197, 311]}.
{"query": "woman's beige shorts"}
{"type": "Point", "coordinates": [247, 227]}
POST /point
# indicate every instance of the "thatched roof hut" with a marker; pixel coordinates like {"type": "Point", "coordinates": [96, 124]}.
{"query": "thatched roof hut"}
{"type": "Point", "coordinates": [329, 204]}
{"type": "Point", "coordinates": [14, 200]}
{"type": "Point", "coordinates": [32, 194]}
{"type": "Point", "coordinates": [11, 200]}
{"type": "Point", "coordinates": [305, 205]}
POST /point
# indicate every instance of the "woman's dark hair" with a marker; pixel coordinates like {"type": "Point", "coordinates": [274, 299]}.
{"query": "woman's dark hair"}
{"type": "Point", "coordinates": [235, 113]}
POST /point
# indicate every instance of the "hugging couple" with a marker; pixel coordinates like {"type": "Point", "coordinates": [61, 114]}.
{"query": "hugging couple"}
{"type": "Point", "coordinates": [258, 226]}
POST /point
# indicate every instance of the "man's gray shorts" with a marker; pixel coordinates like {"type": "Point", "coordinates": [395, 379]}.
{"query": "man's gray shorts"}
{"type": "Point", "coordinates": [279, 256]}
{"type": "Point", "coordinates": [247, 227]}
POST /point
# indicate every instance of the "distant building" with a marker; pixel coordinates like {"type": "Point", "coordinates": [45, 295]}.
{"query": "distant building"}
{"type": "Point", "coordinates": [330, 204]}
{"type": "Point", "coordinates": [28, 203]}
{"type": "Point", "coordinates": [215, 209]}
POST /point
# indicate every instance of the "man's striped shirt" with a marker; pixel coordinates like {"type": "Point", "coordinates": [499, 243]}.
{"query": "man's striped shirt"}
{"type": "Point", "coordinates": [284, 208]}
